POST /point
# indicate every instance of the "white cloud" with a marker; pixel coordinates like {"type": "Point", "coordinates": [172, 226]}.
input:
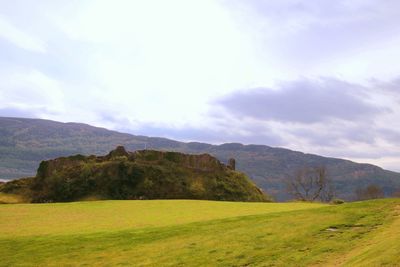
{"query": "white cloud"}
{"type": "Point", "coordinates": [20, 38]}
{"type": "Point", "coordinates": [30, 90]}
{"type": "Point", "coordinates": [353, 40]}
{"type": "Point", "coordinates": [161, 61]}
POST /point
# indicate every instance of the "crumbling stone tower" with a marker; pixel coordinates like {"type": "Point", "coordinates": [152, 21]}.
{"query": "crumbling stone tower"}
{"type": "Point", "coordinates": [232, 164]}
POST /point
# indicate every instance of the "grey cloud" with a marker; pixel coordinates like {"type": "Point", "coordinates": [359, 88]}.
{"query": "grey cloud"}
{"type": "Point", "coordinates": [318, 31]}
{"type": "Point", "coordinates": [303, 101]}
{"type": "Point", "coordinates": [394, 85]}
{"type": "Point", "coordinates": [23, 113]}
{"type": "Point", "coordinates": [390, 136]}
{"type": "Point", "coordinates": [391, 87]}
{"type": "Point", "coordinates": [60, 62]}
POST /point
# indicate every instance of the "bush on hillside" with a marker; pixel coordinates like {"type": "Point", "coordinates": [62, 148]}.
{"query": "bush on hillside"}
{"type": "Point", "coordinates": [337, 201]}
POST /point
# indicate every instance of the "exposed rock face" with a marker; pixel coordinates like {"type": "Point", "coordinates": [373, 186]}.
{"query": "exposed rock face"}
{"type": "Point", "coordinates": [143, 174]}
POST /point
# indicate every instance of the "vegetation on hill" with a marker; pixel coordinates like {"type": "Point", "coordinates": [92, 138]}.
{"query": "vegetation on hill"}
{"type": "Point", "coordinates": [144, 174]}
{"type": "Point", "coordinates": [16, 191]}
{"type": "Point", "coordinates": [26, 142]}
{"type": "Point", "coordinates": [200, 233]}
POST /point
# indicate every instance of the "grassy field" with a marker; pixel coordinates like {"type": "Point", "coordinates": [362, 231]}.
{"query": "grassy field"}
{"type": "Point", "coordinates": [200, 233]}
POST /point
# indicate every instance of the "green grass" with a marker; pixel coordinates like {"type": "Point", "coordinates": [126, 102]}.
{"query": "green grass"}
{"type": "Point", "coordinates": [116, 215]}
{"type": "Point", "coordinates": [200, 233]}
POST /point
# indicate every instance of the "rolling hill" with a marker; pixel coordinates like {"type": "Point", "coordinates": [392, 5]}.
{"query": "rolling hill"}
{"type": "Point", "coordinates": [26, 142]}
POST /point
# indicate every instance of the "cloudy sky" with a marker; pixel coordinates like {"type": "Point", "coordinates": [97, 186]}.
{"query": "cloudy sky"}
{"type": "Point", "coordinates": [317, 76]}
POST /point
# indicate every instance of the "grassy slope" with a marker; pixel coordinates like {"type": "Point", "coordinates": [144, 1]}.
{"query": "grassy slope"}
{"type": "Point", "coordinates": [199, 233]}
{"type": "Point", "coordinates": [382, 249]}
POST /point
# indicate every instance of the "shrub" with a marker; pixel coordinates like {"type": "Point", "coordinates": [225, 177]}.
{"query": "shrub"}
{"type": "Point", "coordinates": [337, 201]}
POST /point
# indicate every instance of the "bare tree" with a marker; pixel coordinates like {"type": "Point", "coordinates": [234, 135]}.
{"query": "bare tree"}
{"type": "Point", "coordinates": [372, 191]}
{"type": "Point", "coordinates": [310, 184]}
{"type": "Point", "coordinates": [328, 192]}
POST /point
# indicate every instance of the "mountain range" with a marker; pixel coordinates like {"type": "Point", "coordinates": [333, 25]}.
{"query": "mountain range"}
{"type": "Point", "coordinates": [24, 143]}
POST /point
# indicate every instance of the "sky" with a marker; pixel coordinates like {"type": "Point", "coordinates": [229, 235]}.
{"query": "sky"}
{"type": "Point", "coordinates": [316, 76]}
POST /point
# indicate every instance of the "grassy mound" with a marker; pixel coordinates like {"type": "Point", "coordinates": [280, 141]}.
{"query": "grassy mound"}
{"type": "Point", "coordinates": [200, 233]}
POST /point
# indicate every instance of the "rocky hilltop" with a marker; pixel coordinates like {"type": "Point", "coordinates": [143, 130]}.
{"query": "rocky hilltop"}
{"type": "Point", "coordinates": [143, 174]}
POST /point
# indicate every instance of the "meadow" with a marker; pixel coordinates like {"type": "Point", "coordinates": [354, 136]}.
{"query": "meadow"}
{"type": "Point", "coordinates": [200, 233]}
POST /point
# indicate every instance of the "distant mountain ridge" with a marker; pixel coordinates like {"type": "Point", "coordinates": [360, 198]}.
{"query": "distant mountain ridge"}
{"type": "Point", "coordinates": [26, 142]}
